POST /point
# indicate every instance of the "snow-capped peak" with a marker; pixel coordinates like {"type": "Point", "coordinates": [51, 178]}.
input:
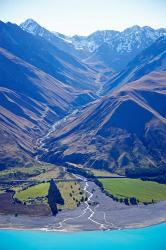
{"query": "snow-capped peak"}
{"type": "Point", "coordinates": [30, 25]}
{"type": "Point", "coordinates": [132, 39]}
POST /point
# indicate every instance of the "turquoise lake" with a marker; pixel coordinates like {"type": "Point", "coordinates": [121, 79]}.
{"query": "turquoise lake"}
{"type": "Point", "coordinates": [150, 238]}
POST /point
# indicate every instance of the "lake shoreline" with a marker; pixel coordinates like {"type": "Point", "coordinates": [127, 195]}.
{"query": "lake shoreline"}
{"type": "Point", "coordinates": [141, 238]}
{"type": "Point", "coordinates": [76, 231]}
{"type": "Point", "coordinates": [106, 214]}
{"type": "Point", "coordinates": [28, 223]}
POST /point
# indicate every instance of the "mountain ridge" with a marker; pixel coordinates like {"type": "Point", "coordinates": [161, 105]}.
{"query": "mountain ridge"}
{"type": "Point", "coordinates": [109, 138]}
{"type": "Point", "coordinates": [152, 58]}
{"type": "Point", "coordinates": [46, 56]}
{"type": "Point", "coordinates": [123, 45]}
{"type": "Point", "coordinates": [30, 102]}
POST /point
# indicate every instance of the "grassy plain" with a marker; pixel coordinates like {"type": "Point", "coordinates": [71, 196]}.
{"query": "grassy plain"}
{"type": "Point", "coordinates": [54, 173]}
{"type": "Point", "coordinates": [144, 191]}
{"type": "Point", "coordinates": [97, 172]}
{"type": "Point", "coordinates": [33, 192]}
{"type": "Point", "coordinates": [37, 169]}
{"type": "Point", "coordinates": [33, 184]}
{"type": "Point", "coordinates": [71, 193]}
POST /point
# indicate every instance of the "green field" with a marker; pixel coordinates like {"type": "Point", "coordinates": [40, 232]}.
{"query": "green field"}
{"type": "Point", "coordinates": [36, 191]}
{"type": "Point", "coordinates": [67, 189]}
{"type": "Point", "coordinates": [70, 191]}
{"type": "Point", "coordinates": [144, 191]}
{"type": "Point", "coordinates": [40, 175]}
{"type": "Point", "coordinates": [47, 175]}
{"type": "Point", "coordinates": [37, 169]}
{"type": "Point", "coordinates": [37, 173]}
{"type": "Point", "coordinates": [97, 172]}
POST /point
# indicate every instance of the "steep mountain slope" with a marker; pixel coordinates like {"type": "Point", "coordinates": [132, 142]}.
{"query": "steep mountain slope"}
{"type": "Point", "coordinates": [63, 43]}
{"type": "Point", "coordinates": [152, 58]}
{"type": "Point", "coordinates": [44, 55]}
{"type": "Point", "coordinates": [125, 129]}
{"type": "Point", "coordinates": [57, 39]}
{"type": "Point", "coordinates": [119, 47]}
{"type": "Point", "coordinates": [137, 36]}
{"type": "Point", "coordinates": [30, 101]}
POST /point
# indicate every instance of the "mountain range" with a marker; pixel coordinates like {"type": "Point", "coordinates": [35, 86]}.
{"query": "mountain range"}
{"type": "Point", "coordinates": [110, 48]}
{"type": "Point", "coordinates": [114, 81]}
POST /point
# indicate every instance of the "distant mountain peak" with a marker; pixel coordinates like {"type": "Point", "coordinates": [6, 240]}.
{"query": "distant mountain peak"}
{"type": "Point", "coordinates": [35, 28]}
{"type": "Point", "coordinates": [28, 21]}
{"type": "Point", "coordinates": [133, 28]}
{"type": "Point", "coordinates": [31, 26]}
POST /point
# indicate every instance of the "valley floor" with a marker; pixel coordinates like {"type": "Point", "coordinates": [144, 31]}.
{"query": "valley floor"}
{"type": "Point", "coordinates": [99, 212]}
